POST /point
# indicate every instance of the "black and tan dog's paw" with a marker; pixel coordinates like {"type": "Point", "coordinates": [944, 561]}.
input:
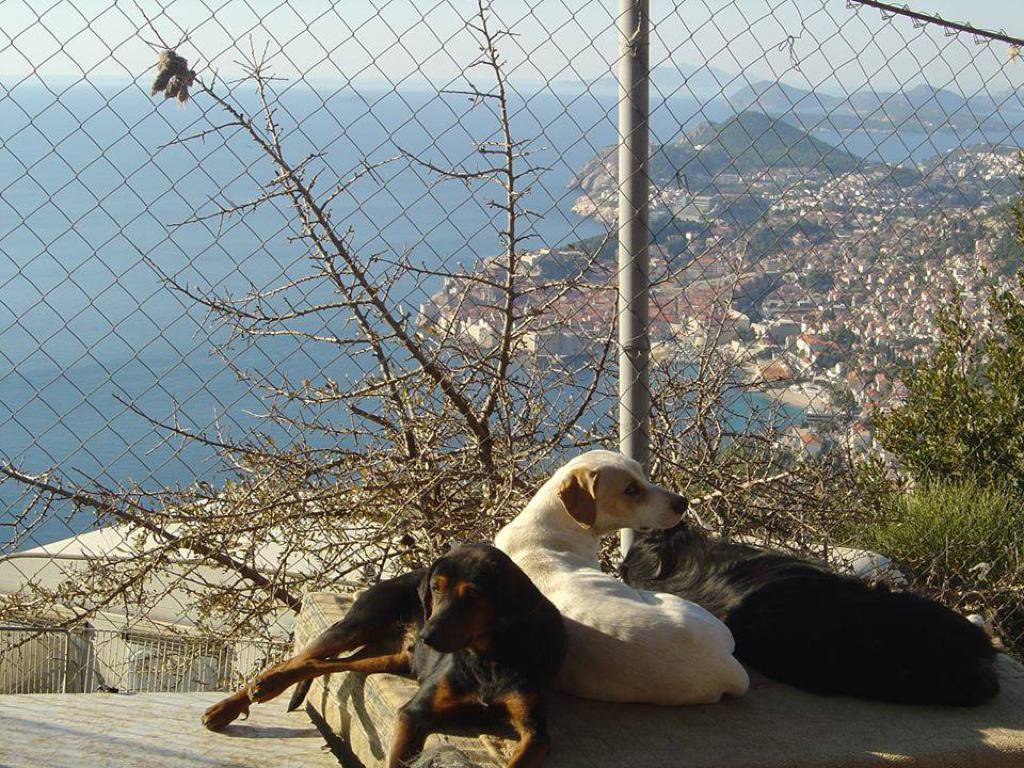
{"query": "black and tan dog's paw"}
{"type": "Point", "coordinates": [226, 711]}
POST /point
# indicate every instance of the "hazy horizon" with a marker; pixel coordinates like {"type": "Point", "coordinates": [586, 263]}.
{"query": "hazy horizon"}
{"type": "Point", "coordinates": [838, 49]}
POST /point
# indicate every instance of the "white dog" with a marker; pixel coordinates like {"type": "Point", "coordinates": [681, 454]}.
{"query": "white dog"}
{"type": "Point", "coordinates": [624, 644]}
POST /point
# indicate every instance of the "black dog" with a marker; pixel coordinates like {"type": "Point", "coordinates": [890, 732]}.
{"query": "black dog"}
{"type": "Point", "coordinates": [473, 630]}
{"type": "Point", "coordinates": [797, 622]}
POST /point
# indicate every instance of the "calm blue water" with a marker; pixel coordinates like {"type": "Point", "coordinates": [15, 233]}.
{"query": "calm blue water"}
{"type": "Point", "coordinates": [88, 197]}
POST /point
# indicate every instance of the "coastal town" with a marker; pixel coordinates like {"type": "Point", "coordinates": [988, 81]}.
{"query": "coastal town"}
{"type": "Point", "coordinates": [819, 301]}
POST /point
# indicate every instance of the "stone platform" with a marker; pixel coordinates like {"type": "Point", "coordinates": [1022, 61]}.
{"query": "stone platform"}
{"type": "Point", "coordinates": [151, 730]}
{"type": "Point", "coordinates": [773, 726]}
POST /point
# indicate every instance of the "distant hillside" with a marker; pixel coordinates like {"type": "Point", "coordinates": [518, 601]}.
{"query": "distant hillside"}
{"type": "Point", "coordinates": [753, 141]}
{"type": "Point", "coordinates": [745, 143]}
{"type": "Point", "coordinates": [966, 176]}
{"type": "Point", "coordinates": [923, 106]}
{"type": "Point", "coordinates": [777, 98]}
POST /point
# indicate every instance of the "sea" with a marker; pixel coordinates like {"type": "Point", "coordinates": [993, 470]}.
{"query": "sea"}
{"type": "Point", "coordinates": [96, 194]}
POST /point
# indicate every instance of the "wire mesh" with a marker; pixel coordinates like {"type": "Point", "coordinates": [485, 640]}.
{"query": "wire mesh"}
{"type": "Point", "coordinates": [353, 297]}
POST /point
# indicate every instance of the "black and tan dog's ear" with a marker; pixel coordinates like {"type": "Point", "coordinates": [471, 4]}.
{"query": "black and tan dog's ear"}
{"type": "Point", "coordinates": [425, 593]}
{"type": "Point", "coordinates": [578, 493]}
{"type": "Point", "coordinates": [519, 599]}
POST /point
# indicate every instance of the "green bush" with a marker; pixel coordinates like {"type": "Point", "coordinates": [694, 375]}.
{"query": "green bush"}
{"type": "Point", "coordinates": [948, 530]}
{"type": "Point", "coordinates": [962, 543]}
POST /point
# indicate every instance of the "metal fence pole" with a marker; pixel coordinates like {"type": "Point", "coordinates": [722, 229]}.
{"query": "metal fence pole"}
{"type": "Point", "coordinates": [634, 189]}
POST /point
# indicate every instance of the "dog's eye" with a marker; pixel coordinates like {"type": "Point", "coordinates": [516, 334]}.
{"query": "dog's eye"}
{"type": "Point", "coordinates": [470, 592]}
{"type": "Point", "coordinates": [632, 489]}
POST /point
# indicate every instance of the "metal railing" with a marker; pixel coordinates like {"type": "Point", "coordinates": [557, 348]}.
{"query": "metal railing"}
{"type": "Point", "coordinates": [88, 660]}
{"type": "Point", "coordinates": [43, 662]}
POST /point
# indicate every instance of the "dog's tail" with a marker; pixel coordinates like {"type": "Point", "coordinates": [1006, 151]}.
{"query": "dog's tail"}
{"type": "Point", "coordinates": [299, 695]}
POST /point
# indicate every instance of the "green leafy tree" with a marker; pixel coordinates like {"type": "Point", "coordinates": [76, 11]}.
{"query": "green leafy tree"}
{"type": "Point", "coordinates": [1009, 252]}
{"type": "Point", "coordinates": [963, 417]}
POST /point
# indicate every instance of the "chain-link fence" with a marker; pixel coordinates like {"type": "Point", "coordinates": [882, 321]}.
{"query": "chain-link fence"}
{"type": "Point", "coordinates": [352, 290]}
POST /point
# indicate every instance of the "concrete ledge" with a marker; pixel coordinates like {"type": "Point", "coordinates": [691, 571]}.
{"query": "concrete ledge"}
{"type": "Point", "coordinates": [150, 730]}
{"type": "Point", "coordinates": [774, 726]}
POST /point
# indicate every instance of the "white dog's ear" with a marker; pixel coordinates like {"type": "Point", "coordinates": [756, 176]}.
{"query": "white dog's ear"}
{"type": "Point", "coordinates": [578, 493]}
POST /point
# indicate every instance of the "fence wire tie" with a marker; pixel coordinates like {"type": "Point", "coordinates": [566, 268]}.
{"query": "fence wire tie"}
{"type": "Point", "coordinates": [631, 46]}
{"type": "Point", "coordinates": [790, 44]}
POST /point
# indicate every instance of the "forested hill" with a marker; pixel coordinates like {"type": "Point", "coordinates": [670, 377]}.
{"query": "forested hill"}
{"type": "Point", "coordinates": [747, 143]}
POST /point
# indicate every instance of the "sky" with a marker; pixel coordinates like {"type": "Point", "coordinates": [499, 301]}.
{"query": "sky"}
{"type": "Point", "coordinates": [814, 43]}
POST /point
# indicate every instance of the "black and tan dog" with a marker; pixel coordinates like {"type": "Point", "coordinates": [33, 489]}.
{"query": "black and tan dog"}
{"type": "Point", "coordinates": [473, 630]}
